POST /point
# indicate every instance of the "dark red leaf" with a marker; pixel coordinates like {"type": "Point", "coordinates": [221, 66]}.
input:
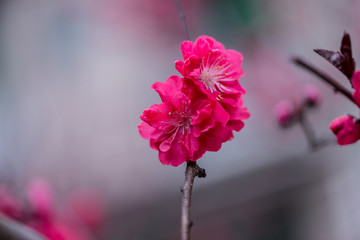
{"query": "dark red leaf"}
{"type": "Point", "coordinates": [335, 58]}
{"type": "Point", "coordinates": [342, 60]}
{"type": "Point", "coordinates": [346, 45]}
{"type": "Point", "coordinates": [349, 62]}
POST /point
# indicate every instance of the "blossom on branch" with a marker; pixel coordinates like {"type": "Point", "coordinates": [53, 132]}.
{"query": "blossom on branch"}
{"type": "Point", "coordinates": [216, 70]}
{"type": "Point", "coordinates": [346, 128]}
{"type": "Point", "coordinates": [187, 123]}
{"type": "Point", "coordinates": [199, 111]}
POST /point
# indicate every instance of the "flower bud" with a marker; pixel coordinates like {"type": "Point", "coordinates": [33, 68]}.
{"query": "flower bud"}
{"type": "Point", "coordinates": [311, 96]}
{"type": "Point", "coordinates": [284, 113]}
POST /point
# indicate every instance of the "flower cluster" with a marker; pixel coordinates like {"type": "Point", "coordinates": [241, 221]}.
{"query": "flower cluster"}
{"type": "Point", "coordinates": [347, 127]}
{"type": "Point", "coordinates": [38, 211]}
{"type": "Point", "coordinates": [201, 109]}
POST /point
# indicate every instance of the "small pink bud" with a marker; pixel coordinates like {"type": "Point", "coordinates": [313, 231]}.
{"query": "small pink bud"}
{"type": "Point", "coordinates": [311, 95]}
{"type": "Point", "coordinates": [284, 113]}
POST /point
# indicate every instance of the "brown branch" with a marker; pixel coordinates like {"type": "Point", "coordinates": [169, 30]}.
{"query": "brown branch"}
{"type": "Point", "coordinates": [192, 170]}
{"type": "Point", "coordinates": [182, 20]}
{"type": "Point", "coordinates": [308, 131]}
{"type": "Point", "coordinates": [323, 76]}
{"type": "Point", "coordinates": [314, 142]}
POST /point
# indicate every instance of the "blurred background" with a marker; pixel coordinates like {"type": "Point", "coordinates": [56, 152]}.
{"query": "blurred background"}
{"type": "Point", "coordinates": [75, 76]}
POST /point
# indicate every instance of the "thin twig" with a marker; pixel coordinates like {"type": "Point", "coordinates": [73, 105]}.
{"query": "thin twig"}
{"type": "Point", "coordinates": [308, 131]}
{"type": "Point", "coordinates": [182, 19]}
{"type": "Point", "coordinates": [314, 142]}
{"type": "Point", "coordinates": [337, 87]}
{"type": "Point", "coordinates": [192, 170]}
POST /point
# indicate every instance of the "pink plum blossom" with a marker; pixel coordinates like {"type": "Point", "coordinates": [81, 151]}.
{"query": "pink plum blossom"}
{"type": "Point", "coordinates": [346, 128]}
{"type": "Point", "coordinates": [9, 205]}
{"type": "Point", "coordinates": [356, 85]}
{"type": "Point", "coordinates": [186, 124]}
{"type": "Point", "coordinates": [216, 70]}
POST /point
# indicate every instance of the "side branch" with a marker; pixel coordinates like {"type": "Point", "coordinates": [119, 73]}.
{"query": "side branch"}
{"type": "Point", "coordinates": [314, 142]}
{"type": "Point", "coordinates": [192, 170]}
{"type": "Point", "coordinates": [182, 19]}
{"type": "Point", "coordinates": [337, 87]}
{"type": "Point", "coordinates": [308, 131]}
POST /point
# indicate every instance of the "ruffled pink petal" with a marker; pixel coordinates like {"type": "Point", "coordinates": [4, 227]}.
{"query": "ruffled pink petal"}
{"type": "Point", "coordinates": [157, 114]}
{"type": "Point", "coordinates": [203, 120]}
{"type": "Point", "coordinates": [191, 67]}
{"type": "Point", "coordinates": [221, 115]}
{"type": "Point", "coordinates": [166, 145]}
{"type": "Point", "coordinates": [236, 89]}
{"type": "Point", "coordinates": [235, 125]}
{"type": "Point", "coordinates": [146, 131]}
{"type": "Point", "coordinates": [168, 88]}
{"type": "Point", "coordinates": [235, 58]}
{"type": "Point", "coordinates": [175, 156]}
{"type": "Point", "coordinates": [201, 47]}
{"type": "Point", "coordinates": [186, 48]}
{"type": "Point", "coordinates": [191, 144]}
{"type": "Point", "coordinates": [213, 43]}
{"type": "Point", "coordinates": [215, 137]}
{"type": "Point", "coordinates": [179, 65]}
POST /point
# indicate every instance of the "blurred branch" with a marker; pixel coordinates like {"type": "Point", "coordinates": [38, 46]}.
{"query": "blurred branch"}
{"type": "Point", "coordinates": [182, 19]}
{"type": "Point", "coordinates": [192, 170]}
{"type": "Point", "coordinates": [323, 76]}
{"type": "Point", "coordinates": [314, 142]}
{"type": "Point", "coordinates": [308, 130]}
{"type": "Point", "coordinates": [11, 230]}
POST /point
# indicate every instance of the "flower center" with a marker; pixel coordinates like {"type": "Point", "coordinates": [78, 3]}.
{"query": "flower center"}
{"type": "Point", "coordinates": [180, 120]}
{"type": "Point", "coordinates": [212, 74]}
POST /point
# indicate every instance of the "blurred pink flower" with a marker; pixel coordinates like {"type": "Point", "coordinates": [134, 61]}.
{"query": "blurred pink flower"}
{"type": "Point", "coordinates": [9, 205]}
{"type": "Point", "coordinates": [89, 208]}
{"type": "Point", "coordinates": [356, 85]}
{"type": "Point", "coordinates": [40, 199]}
{"type": "Point", "coordinates": [217, 70]}
{"type": "Point", "coordinates": [43, 216]}
{"type": "Point", "coordinates": [187, 123]}
{"type": "Point", "coordinates": [284, 113]}
{"type": "Point", "coordinates": [58, 230]}
{"type": "Point", "coordinates": [346, 128]}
